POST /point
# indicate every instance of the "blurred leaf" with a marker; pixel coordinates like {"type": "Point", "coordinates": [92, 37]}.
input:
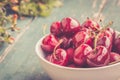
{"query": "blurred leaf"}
{"type": "Point", "coordinates": [9, 39]}
{"type": "Point", "coordinates": [57, 3]}
{"type": "Point", "coordinates": [15, 8]}
{"type": "Point", "coordinates": [44, 10]}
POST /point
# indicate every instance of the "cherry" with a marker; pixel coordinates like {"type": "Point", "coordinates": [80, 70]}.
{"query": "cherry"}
{"type": "Point", "coordinates": [116, 34]}
{"type": "Point", "coordinates": [67, 42]}
{"type": "Point", "coordinates": [59, 57]}
{"type": "Point", "coordinates": [104, 41]}
{"type": "Point", "coordinates": [98, 57]}
{"type": "Point", "coordinates": [48, 57]}
{"type": "Point", "coordinates": [91, 24]}
{"type": "Point", "coordinates": [70, 26]}
{"type": "Point", "coordinates": [70, 52]}
{"type": "Point", "coordinates": [56, 29]}
{"type": "Point", "coordinates": [114, 57]}
{"type": "Point", "coordinates": [79, 54]}
{"type": "Point", "coordinates": [116, 44]}
{"type": "Point", "coordinates": [90, 42]}
{"type": "Point", "coordinates": [79, 38]}
{"type": "Point", "coordinates": [49, 43]}
{"type": "Point", "coordinates": [105, 38]}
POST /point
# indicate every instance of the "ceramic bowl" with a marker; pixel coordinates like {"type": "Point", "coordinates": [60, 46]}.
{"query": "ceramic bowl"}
{"type": "Point", "coordinates": [56, 72]}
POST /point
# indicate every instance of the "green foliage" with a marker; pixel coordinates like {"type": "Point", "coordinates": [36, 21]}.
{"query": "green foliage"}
{"type": "Point", "coordinates": [4, 33]}
{"type": "Point", "coordinates": [25, 8]}
{"type": "Point", "coordinates": [37, 7]}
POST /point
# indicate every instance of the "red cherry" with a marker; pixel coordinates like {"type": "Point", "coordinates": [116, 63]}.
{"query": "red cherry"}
{"type": "Point", "coordinates": [116, 34]}
{"type": "Point", "coordinates": [70, 26]}
{"type": "Point", "coordinates": [81, 37]}
{"type": "Point", "coordinates": [99, 57]}
{"type": "Point", "coordinates": [79, 54]}
{"type": "Point", "coordinates": [48, 57]}
{"type": "Point", "coordinates": [70, 52]}
{"type": "Point", "coordinates": [114, 57]}
{"type": "Point", "coordinates": [60, 57]}
{"type": "Point", "coordinates": [91, 24]}
{"type": "Point", "coordinates": [105, 38]}
{"type": "Point", "coordinates": [90, 42]}
{"type": "Point", "coordinates": [109, 34]}
{"type": "Point", "coordinates": [67, 42]}
{"type": "Point", "coordinates": [116, 45]}
{"type": "Point", "coordinates": [56, 29]}
{"type": "Point", "coordinates": [49, 43]}
{"type": "Point", "coordinates": [104, 41]}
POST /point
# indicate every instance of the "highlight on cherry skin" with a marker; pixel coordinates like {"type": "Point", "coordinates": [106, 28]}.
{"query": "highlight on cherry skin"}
{"type": "Point", "coordinates": [85, 45]}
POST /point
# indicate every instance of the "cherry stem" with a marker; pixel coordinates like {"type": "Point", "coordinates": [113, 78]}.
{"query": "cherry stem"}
{"type": "Point", "coordinates": [60, 41]}
{"type": "Point", "coordinates": [101, 30]}
{"type": "Point", "coordinates": [95, 42]}
{"type": "Point", "coordinates": [105, 27]}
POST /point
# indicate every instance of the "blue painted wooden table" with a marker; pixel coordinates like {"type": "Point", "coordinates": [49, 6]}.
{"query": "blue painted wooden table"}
{"type": "Point", "coordinates": [21, 62]}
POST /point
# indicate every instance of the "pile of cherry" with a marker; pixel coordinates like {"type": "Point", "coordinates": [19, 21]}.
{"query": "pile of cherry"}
{"type": "Point", "coordinates": [87, 45]}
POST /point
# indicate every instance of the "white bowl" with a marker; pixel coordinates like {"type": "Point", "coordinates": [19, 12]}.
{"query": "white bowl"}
{"type": "Point", "coordinates": [56, 72]}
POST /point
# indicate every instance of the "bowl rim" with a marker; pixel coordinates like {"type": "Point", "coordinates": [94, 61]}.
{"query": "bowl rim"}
{"type": "Point", "coordinates": [38, 50]}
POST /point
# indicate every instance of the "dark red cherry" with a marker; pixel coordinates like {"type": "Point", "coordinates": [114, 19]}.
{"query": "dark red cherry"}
{"type": "Point", "coordinates": [98, 57]}
{"type": "Point", "coordinates": [70, 52]}
{"type": "Point", "coordinates": [79, 54]}
{"type": "Point", "coordinates": [56, 29]}
{"type": "Point", "coordinates": [79, 38]}
{"type": "Point", "coordinates": [116, 34]}
{"type": "Point", "coordinates": [114, 57]}
{"type": "Point", "coordinates": [116, 44]}
{"type": "Point", "coordinates": [90, 41]}
{"type": "Point", "coordinates": [105, 38]}
{"type": "Point", "coordinates": [70, 26]}
{"type": "Point", "coordinates": [67, 42]}
{"type": "Point", "coordinates": [109, 34]}
{"type": "Point", "coordinates": [91, 24]}
{"type": "Point", "coordinates": [104, 41]}
{"type": "Point", "coordinates": [48, 43]}
{"type": "Point", "coordinates": [60, 57]}
{"type": "Point", "coordinates": [48, 57]}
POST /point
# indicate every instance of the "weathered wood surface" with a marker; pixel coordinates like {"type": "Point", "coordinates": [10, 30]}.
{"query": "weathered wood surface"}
{"type": "Point", "coordinates": [21, 62]}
